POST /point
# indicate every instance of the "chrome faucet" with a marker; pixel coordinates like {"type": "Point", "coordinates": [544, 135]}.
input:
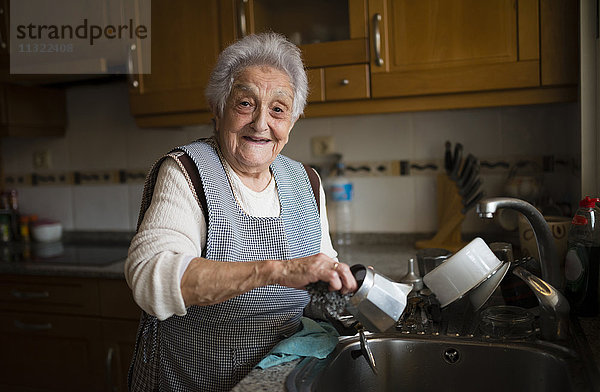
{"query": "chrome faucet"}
{"type": "Point", "coordinates": [554, 317]}
{"type": "Point", "coordinates": [549, 262]}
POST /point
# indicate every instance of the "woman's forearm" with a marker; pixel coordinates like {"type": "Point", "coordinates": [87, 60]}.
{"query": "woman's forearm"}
{"type": "Point", "coordinates": [208, 282]}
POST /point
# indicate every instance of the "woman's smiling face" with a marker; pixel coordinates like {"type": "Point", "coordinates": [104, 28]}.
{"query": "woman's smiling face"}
{"type": "Point", "coordinates": [257, 119]}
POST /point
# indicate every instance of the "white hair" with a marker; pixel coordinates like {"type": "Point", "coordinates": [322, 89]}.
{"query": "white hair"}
{"type": "Point", "coordinates": [265, 49]}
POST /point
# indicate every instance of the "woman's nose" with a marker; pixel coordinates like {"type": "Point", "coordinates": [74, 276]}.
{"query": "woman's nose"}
{"type": "Point", "coordinates": [260, 119]}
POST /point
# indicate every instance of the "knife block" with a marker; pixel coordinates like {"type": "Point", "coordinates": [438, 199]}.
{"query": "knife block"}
{"type": "Point", "coordinates": [450, 217]}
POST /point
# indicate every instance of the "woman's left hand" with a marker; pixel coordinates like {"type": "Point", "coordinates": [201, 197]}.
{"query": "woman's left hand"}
{"type": "Point", "coordinates": [297, 273]}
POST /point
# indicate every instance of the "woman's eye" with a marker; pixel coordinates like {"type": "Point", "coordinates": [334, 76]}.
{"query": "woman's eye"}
{"type": "Point", "coordinates": [278, 109]}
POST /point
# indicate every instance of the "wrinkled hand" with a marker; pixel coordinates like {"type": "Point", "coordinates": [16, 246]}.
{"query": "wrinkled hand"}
{"type": "Point", "coordinates": [297, 273]}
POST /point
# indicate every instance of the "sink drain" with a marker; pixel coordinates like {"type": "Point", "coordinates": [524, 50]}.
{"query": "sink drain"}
{"type": "Point", "coordinates": [451, 355]}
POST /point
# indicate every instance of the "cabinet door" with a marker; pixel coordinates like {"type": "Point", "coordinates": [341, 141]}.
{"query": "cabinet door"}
{"type": "Point", "coordinates": [116, 300]}
{"type": "Point", "coordinates": [4, 29]}
{"type": "Point", "coordinates": [184, 48]}
{"type": "Point", "coordinates": [50, 353]}
{"type": "Point", "coordinates": [32, 111]}
{"type": "Point", "coordinates": [447, 46]}
{"type": "Point", "coordinates": [559, 42]}
{"type": "Point", "coordinates": [330, 32]}
{"type": "Point", "coordinates": [49, 294]}
{"type": "Point", "coordinates": [119, 342]}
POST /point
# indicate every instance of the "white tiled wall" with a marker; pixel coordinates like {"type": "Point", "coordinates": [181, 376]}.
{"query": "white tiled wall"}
{"type": "Point", "coordinates": [102, 134]}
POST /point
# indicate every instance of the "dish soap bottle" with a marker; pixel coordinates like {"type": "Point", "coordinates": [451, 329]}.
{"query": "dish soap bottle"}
{"type": "Point", "coordinates": [582, 262]}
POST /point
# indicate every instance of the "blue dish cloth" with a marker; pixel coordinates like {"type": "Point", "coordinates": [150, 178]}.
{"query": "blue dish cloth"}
{"type": "Point", "coordinates": [315, 339]}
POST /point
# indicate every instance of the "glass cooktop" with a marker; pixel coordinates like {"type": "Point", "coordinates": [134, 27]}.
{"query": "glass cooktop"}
{"type": "Point", "coordinates": [64, 253]}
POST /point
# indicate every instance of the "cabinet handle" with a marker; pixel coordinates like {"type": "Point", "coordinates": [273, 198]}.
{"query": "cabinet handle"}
{"type": "Point", "coordinates": [110, 353]}
{"type": "Point", "coordinates": [2, 26]}
{"type": "Point", "coordinates": [130, 66]}
{"type": "Point", "coordinates": [32, 327]}
{"type": "Point", "coordinates": [242, 17]}
{"type": "Point", "coordinates": [30, 294]}
{"type": "Point", "coordinates": [344, 82]}
{"type": "Point", "coordinates": [377, 39]}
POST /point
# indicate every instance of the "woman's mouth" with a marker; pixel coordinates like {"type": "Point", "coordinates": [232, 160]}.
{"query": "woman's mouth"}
{"type": "Point", "coordinates": [257, 140]}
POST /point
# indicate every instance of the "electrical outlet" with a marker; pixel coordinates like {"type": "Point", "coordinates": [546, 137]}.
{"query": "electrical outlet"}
{"type": "Point", "coordinates": [42, 160]}
{"type": "Point", "coordinates": [321, 145]}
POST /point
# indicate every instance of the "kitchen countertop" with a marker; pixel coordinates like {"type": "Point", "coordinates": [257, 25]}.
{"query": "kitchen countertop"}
{"type": "Point", "coordinates": [86, 260]}
{"type": "Point", "coordinates": [389, 258]}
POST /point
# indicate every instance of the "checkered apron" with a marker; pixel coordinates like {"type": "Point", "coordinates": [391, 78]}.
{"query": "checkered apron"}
{"type": "Point", "coordinates": [212, 347]}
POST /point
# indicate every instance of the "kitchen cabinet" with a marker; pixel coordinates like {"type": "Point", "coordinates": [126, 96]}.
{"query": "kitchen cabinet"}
{"type": "Point", "coordinates": [4, 28]}
{"type": "Point", "coordinates": [431, 54]}
{"type": "Point", "coordinates": [338, 83]}
{"type": "Point", "coordinates": [65, 334]}
{"type": "Point", "coordinates": [120, 320]}
{"type": "Point", "coordinates": [184, 48]}
{"type": "Point", "coordinates": [30, 111]}
{"type": "Point", "coordinates": [371, 56]}
{"type": "Point", "coordinates": [328, 33]}
{"type": "Point", "coordinates": [451, 46]}
{"type": "Point", "coordinates": [35, 57]}
{"type": "Point", "coordinates": [119, 343]}
{"type": "Point", "coordinates": [332, 35]}
{"type": "Point", "coordinates": [47, 352]}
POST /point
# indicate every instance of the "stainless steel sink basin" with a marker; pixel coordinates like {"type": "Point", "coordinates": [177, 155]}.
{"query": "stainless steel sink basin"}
{"type": "Point", "coordinates": [436, 363]}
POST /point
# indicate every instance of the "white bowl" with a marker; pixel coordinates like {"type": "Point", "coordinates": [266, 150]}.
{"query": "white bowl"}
{"type": "Point", "coordinates": [465, 270]}
{"type": "Point", "coordinates": [46, 231]}
{"type": "Point", "coordinates": [484, 291]}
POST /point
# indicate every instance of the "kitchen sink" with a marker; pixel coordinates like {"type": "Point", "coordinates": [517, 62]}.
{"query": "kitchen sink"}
{"type": "Point", "coordinates": [439, 363]}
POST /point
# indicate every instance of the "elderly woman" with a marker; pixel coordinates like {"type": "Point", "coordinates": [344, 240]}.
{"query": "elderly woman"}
{"type": "Point", "coordinates": [220, 272]}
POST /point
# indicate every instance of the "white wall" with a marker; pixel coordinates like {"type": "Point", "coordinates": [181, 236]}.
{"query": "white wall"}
{"type": "Point", "coordinates": [102, 135]}
{"type": "Point", "coordinates": [590, 97]}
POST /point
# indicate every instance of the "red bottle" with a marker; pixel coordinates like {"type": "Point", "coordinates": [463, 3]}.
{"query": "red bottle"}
{"type": "Point", "coordinates": [582, 263]}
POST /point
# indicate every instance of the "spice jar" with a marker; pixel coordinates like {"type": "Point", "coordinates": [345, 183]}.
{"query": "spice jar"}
{"type": "Point", "coordinates": [24, 228]}
{"type": "Point", "coordinates": [5, 233]}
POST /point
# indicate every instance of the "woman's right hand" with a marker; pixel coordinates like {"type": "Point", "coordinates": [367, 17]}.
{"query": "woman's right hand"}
{"type": "Point", "coordinates": [297, 273]}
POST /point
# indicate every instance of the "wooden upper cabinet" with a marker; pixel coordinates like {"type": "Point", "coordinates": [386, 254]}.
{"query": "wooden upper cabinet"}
{"type": "Point", "coordinates": [433, 46]}
{"type": "Point", "coordinates": [332, 35]}
{"type": "Point", "coordinates": [559, 42]}
{"type": "Point", "coordinates": [375, 56]}
{"type": "Point", "coordinates": [328, 32]}
{"type": "Point", "coordinates": [185, 45]}
{"type": "Point", "coordinates": [32, 111]}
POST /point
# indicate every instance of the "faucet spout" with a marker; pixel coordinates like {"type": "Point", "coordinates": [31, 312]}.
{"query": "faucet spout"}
{"type": "Point", "coordinates": [554, 317]}
{"type": "Point", "coordinates": [550, 264]}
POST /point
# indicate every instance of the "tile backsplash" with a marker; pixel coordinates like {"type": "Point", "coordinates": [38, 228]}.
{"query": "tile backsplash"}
{"type": "Point", "coordinates": [102, 137]}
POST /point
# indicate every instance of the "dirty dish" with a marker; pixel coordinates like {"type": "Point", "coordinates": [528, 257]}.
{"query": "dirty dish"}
{"type": "Point", "coordinates": [466, 269]}
{"type": "Point", "coordinates": [507, 322]}
{"type": "Point", "coordinates": [480, 294]}
{"type": "Point", "coordinates": [429, 258]}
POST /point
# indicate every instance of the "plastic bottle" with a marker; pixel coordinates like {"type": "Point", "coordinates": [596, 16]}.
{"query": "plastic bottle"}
{"type": "Point", "coordinates": [341, 194]}
{"type": "Point", "coordinates": [582, 261]}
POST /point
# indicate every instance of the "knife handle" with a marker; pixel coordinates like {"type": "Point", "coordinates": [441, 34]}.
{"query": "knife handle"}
{"type": "Point", "coordinates": [456, 161]}
{"type": "Point", "coordinates": [448, 157]}
{"type": "Point", "coordinates": [466, 167]}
